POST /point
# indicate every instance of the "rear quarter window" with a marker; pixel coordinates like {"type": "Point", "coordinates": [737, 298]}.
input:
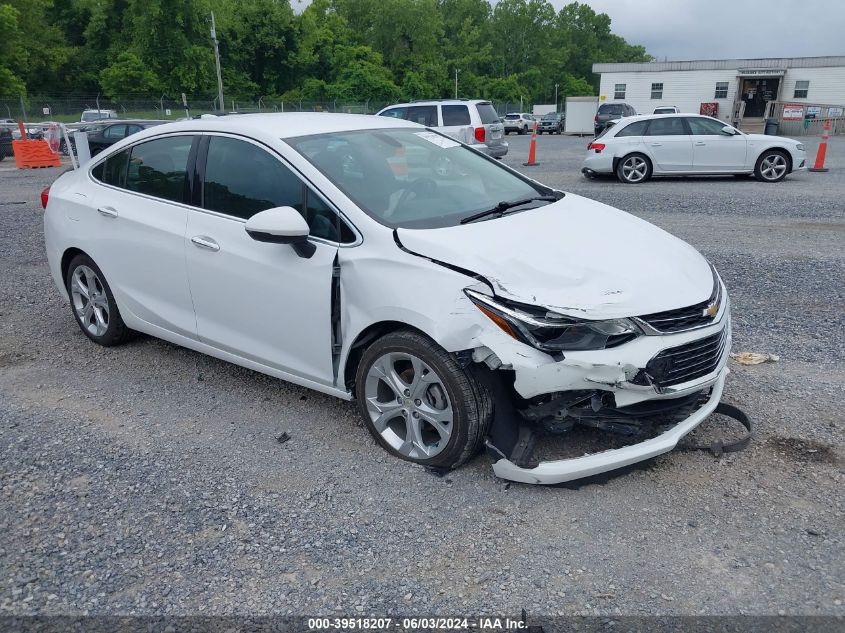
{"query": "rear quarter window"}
{"type": "Point", "coordinates": [637, 128]}
{"type": "Point", "coordinates": [455, 115]}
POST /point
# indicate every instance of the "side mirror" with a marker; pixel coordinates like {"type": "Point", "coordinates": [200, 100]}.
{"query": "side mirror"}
{"type": "Point", "coordinates": [281, 225]}
{"type": "Point", "coordinates": [729, 130]}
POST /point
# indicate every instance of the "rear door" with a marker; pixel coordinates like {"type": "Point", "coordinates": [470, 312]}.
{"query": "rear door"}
{"type": "Point", "coordinates": [713, 150]}
{"type": "Point", "coordinates": [138, 231]}
{"type": "Point", "coordinates": [668, 143]}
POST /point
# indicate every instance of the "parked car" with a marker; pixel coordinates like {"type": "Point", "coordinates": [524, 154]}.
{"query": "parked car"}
{"type": "Point", "coordinates": [667, 110]}
{"type": "Point", "coordinates": [682, 144]}
{"type": "Point", "coordinates": [471, 121]}
{"type": "Point", "coordinates": [289, 244]}
{"type": "Point", "coordinates": [97, 115]}
{"type": "Point", "coordinates": [5, 142]}
{"type": "Point", "coordinates": [611, 112]}
{"type": "Point", "coordinates": [103, 136]}
{"type": "Point", "coordinates": [551, 123]}
{"type": "Point", "coordinates": [519, 122]}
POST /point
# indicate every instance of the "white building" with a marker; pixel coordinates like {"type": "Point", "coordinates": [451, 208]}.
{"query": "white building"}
{"type": "Point", "coordinates": [744, 91]}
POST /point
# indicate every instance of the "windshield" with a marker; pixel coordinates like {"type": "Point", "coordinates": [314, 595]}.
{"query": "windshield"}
{"type": "Point", "coordinates": [412, 178]}
{"type": "Point", "coordinates": [550, 115]}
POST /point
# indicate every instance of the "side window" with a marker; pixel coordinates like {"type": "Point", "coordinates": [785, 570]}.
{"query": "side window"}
{"type": "Point", "coordinates": [396, 113]}
{"type": "Point", "coordinates": [426, 115]}
{"type": "Point", "coordinates": [159, 168]}
{"type": "Point", "coordinates": [802, 88]}
{"type": "Point", "coordinates": [112, 171]}
{"type": "Point", "coordinates": [455, 115]}
{"type": "Point", "coordinates": [700, 126]}
{"type": "Point", "coordinates": [619, 91]}
{"type": "Point", "coordinates": [721, 90]}
{"type": "Point", "coordinates": [324, 222]}
{"type": "Point", "coordinates": [666, 126]}
{"type": "Point", "coordinates": [115, 131]}
{"type": "Point", "coordinates": [657, 91]}
{"type": "Point", "coordinates": [131, 129]}
{"type": "Point", "coordinates": [242, 179]}
{"type": "Point", "coordinates": [637, 128]}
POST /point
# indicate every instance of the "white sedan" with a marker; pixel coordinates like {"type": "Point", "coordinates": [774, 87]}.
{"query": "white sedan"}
{"type": "Point", "coordinates": [460, 303]}
{"type": "Point", "coordinates": [639, 147]}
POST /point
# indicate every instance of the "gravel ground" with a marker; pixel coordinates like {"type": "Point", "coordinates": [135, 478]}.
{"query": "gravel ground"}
{"type": "Point", "coordinates": [147, 479]}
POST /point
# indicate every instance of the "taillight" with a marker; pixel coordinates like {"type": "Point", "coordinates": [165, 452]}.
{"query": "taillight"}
{"type": "Point", "coordinates": [596, 146]}
{"type": "Point", "coordinates": [480, 134]}
{"type": "Point", "coordinates": [596, 119]}
{"type": "Point", "coordinates": [45, 196]}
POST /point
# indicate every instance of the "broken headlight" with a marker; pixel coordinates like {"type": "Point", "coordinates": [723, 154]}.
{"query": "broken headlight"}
{"type": "Point", "coordinates": [552, 332]}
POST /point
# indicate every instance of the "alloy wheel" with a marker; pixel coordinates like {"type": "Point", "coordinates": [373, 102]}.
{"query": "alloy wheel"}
{"type": "Point", "coordinates": [89, 300]}
{"type": "Point", "coordinates": [408, 405]}
{"type": "Point", "coordinates": [773, 167]}
{"type": "Point", "coordinates": [634, 169]}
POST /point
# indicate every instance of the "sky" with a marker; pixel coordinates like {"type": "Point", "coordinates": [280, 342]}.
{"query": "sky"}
{"type": "Point", "coordinates": [725, 29]}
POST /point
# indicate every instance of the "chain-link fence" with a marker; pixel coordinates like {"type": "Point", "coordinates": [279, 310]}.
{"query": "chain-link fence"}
{"type": "Point", "coordinates": [69, 109]}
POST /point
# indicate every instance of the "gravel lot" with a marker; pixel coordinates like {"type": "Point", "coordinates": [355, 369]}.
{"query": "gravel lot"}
{"type": "Point", "coordinates": [147, 479]}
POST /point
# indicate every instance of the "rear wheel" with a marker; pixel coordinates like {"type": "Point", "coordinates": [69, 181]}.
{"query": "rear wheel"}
{"type": "Point", "coordinates": [772, 166]}
{"type": "Point", "coordinates": [419, 404]}
{"type": "Point", "coordinates": [93, 303]}
{"type": "Point", "coordinates": [633, 169]}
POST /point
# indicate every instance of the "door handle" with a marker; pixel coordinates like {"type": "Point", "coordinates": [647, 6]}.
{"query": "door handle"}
{"type": "Point", "coordinates": [700, 143]}
{"type": "Point", "coordinates": [201, 241]}
{"type": "Point", "coordinates": [656, 144]}
{"type": "Point", "coordinates": [109, 212]}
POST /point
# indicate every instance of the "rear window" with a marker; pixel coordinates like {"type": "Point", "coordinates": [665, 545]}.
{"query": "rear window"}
{"type": "Point", "coordinates": [611, 108]}
{"type": "Point", "coordinates": [512, 116]}
{"type": "Point", "coordinates": [455, 115]}
{"type": "Point", "coordinates": [487, 113]}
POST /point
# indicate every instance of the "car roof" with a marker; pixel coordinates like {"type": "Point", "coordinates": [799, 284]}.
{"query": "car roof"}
{"type": "Point", "coordinates": [437, 102]}
{"type": "Point", "coordinates": [644, 117]}
{"type": "Point", "coordinates": [283, 125]}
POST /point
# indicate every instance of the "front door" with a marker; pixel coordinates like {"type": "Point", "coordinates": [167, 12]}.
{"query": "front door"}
{"type": "Point", "coordinates": [668, 143]}
{"type": "Point", "coordinates": [712, 149]}
{"type": "Point", "coordinates": [756, 93]}
{"type": "Point", "coordinates": [259, 301]}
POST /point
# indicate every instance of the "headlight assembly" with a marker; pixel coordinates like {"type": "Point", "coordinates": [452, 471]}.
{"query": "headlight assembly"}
{"type": "Point", "coordinates": [552, 332]}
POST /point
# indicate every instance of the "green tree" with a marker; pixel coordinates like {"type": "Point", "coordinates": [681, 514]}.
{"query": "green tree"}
{"type": "Point", "coordinates": [128, 75]}
{"type": "Point", "coordinates": [12, 59]}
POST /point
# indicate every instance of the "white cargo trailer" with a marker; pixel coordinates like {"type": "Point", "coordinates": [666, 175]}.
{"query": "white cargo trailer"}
{"type": "Point", "coordinates": [580, 114]}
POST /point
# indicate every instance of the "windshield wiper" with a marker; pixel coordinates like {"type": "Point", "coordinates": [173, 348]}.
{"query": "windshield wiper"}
{"type": "Point", "coordinates": [504, 205]}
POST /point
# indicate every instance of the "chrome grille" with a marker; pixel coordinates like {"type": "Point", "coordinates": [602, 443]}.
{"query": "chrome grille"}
{"type": "Point", "coordinates": [689, 318]}
{"type": "Point", "coordinates": [687, 362]}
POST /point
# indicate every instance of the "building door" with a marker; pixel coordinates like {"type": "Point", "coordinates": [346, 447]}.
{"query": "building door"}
{"type": "Point", "coordinates": [756, 93]}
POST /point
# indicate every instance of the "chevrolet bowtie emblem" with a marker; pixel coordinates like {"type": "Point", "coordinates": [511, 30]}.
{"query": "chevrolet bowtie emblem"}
{"type": "Point", "coordinates": [711, 310]}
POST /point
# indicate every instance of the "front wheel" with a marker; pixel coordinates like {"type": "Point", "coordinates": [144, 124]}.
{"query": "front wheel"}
{"type": "Point", "coordinates": [419, 404]}
{"type": "Point", "coordinates": [633, 169]}
{"type": "Point", "coordinates": [772, 166]}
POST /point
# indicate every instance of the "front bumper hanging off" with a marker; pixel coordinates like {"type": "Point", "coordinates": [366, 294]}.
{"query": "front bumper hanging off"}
{"type": "Point", "coordinates": [554, 472]}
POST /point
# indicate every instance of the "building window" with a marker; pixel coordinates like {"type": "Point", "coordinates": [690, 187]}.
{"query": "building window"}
{"type": "Point", "coordinates": [657, 91]}
{"type": "Point", "coordinates": [801, 89]}
{"type": "Point", "coordinates": [619, 91]}
{"type": "Point", "coordinates": [721, 90]}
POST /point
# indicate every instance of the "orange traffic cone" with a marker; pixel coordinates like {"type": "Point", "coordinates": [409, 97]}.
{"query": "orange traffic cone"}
{"type": "Point", "coordinates": [819, 166]}
{"type": "Point", "coordinates": [532, 150]}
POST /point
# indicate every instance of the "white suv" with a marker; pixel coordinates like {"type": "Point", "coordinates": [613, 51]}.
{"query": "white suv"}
{"type": "Point", "coordinates": [519, 122]}
{"type": "Point", "coordinates": [473, 122]}
{"type": "Point", "coordinates": [97, 115]}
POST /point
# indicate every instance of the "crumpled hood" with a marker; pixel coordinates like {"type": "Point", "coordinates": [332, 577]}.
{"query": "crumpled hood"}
{"type": "Point", "coordinates": [575, 256]}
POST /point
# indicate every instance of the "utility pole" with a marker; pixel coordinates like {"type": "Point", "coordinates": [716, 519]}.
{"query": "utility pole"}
{"type": "Point", "coordinates": [217, 61]}
{"type": "Point", "coordinates": [456, 83]}
{"type": "Point", "coordinates": [556, 85]}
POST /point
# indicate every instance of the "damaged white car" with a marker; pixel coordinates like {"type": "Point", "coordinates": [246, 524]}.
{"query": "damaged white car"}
{"type": "Point", "coordinates": [460, 303]}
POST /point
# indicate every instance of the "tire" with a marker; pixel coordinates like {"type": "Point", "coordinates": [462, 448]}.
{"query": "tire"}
{"type": "Point", "coordinates": [102, 323]}
{"type": "Point", "coordinates": [403, 354]}
{"type": "Point", "coordinates": [772, 166]}
{"type": "Point", "coordinates": [2, 157]}
{"type": "Point", "coordinates": [633, 169]}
